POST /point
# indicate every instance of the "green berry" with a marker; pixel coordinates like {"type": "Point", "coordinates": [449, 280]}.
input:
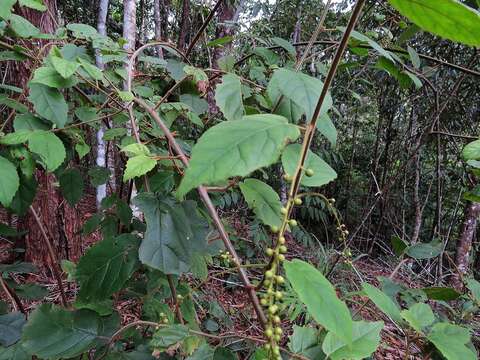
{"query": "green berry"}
{"type": "Point", "coordinates": [292, 222]}
{"type": "Point", "coordinates": [276, 350]}
{"type": "Point", "coordinates": [274, 229]}
{"type": "Point", "coordinates": [276, 319]}
{"type": "Point", "coordinates": [278, 331]}
{"type": "Point", "coordinates": [272, 309]}
{"type": "Point", "coordinates": [280, 279]}
{"type": "Point", "coordinates": [277, 338]}
{"type": "Point", "coordinates": [283, 211]}
{"type": "Point", "coordinates": [278, 295]}
{"type": "Point", "coordinates": [283, 249]}
{"type": "Point", "coordinates": [281, 240]}
{"type": "Point", "coordinates": [264, 302]}
{"type": "Point", "coordinates": [297, 201]}
{"type": "Point", "coordinates": [268, 332]}
{"type": "Point", "coordinates": [309, 172]}
{"type": "Point", "coordinates": [281, 257]}
{"type": "Point", "coordinates": [287, 178]}
{"type": "Point", "coordinates": [269, 252]}
{"type": "Point", "coordinates": [179, 297]}
{"type": "Point", "coordinates": [165, 321]}
{"type": "Point", "coordinates": [269, 274]}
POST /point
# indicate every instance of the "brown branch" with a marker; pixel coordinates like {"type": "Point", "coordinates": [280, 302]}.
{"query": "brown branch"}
{"type": "Point", "coordinates": [16, 303]}
{"type": "Point", "coordinates": [53, 257]}
{"type": "Point", "coordinates": [202, 28]}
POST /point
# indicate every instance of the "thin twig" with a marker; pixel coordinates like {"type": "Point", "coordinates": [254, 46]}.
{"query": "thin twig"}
{"type": "Point", "coordinates": [16, 303]}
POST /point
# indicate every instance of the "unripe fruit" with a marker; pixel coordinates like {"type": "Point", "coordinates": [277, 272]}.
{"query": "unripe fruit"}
{"type": "Point", "coordinates": [309, 172]}
{"type": "Point", "coordinates": [165, 321]}
{"type": "Point", "coordinates": [283, 249]}
{"type": "Point", "coordinates": [179, 297]}
{"type": "Point", "coordinates": [269, 274]}
{"type": "Point", "coordinates": [283, 211]}
{"type": "Point", "coordinates": [268, 332]}
{"type": "Point", "coordinates": [297, 201]}
{"type": "Point", "coordinates": [280, 279]}
{"type": "Point", "coordinates": [277, 338]}
{"type": "Point", "coordinates": [281, 257]}
{"type": "Point", "coordinates": [273, 309]}
{"type": "Point", "coordinates": [292, 222]}
{"type": "Point", "coordinates": [278, 295]}
{"type": "Point", "coordinates": [264, 302]}
{"type": "Point", "coordinates": [274, 229]}
{"type": "Point", "coordinates": [278, 331]}
{"type": "Point", "coordinates": [269, 252]}
{"type": "Point", "coordinates": [287, 178]}
{"type": "Point", "coordinates": [268, 346]}
{"type": "Point", "coordinates": [276, 350]}
{"type": "Point", "coordinates": [276, 319]}
{"type": "Point", "coordinates": [281, 240]}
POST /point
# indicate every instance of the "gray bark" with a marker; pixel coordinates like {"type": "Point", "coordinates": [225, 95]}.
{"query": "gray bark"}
{"type": "Point", "coordinates": [157, 17]}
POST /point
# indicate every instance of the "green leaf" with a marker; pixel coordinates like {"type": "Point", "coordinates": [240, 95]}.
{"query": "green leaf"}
{"type": "Point", "coordinates": [425, 250]}
{"type": "Point", "coordinates": [54, 333]}
{"type": "Point", "coordinates": [474, 286]}
{"type": "Point", "coordinates": [285, 45]}
{"type": "Point", "coordinates": [33, 4]}
{"type": "Point", "coordinates": [263, 200]}
{"type": "Point", "coordinates": [373, 44]}
{"type": "Point", "coordinates": [450, 340]}
{"type": "Point", "coordinates": [327, 129]}
{"type": "Point", "coordinates": [137, 166]}
{"type": "Point", "coordinates": [320, 297]}
{"type": "Point", "coordinates": [15, 138]}
{"type": "Point", "coordinates": [228, 97]}
{"type": "Point", "coordinates": [323, 173]}
{"type": "Point", "coordinates": [383, 302]}
{"type": "Point", "coordinates": [9, 181]}
{"type": "Point", "coordinates": [82, 30]}
{"type": "Point", "coordinates": [419, 316]}
{"type": "Point", "coordinates": [71, 184]}
{"type": "Point", "coordinates": [126, 96]}
{"type": "Point", "coordinates": [365, 340]}
{"type": "Point", "coordinates": [94, 72]}
{"type": "Point", "coordinates": [49, 76]}
{"type": "Point", "coordinates": [6, 8]}
{"type": "Point", "coordinates": [29, 122]}
{"type": "Point", "coordinates": [106, 266]}
{"type": "Point", "coordinates": [220, 41]}
{"type": "Point", "coordinates": [305, 341]}
{"type": "Point", "coordinates": [441, 293]}
{"type": "Point", "coordinates": [49, 147]}
{"type": "Point", "coordinates": [447, 18]}
{"type": "Point", "coordinates": [14, 352]}
{"type": "Point", "coordinates": [168, 336]}
{"type": "Point", "coordinates": [399, 245]}
{"type": "Point", "coordinates": [98, 175]}
{"type": "Point", "coordinates": [302, 89]}
{"type": "Point", "coordinates": [31, 291]}
{"type": "Point", "coordinates": [22, 27]}
{"type": "Point", "coordinates": [175, 233]}
{"type": "Point", "coordinates": [11, 325]}
{"type": "Point", "coordinates": [471, 151]}
{"type": "Point", "coordinates": [49, 103]}
{"type": "Point", "coordinates": [24, 196]}
{"type": "Point", "coordinates": [414, 57]}
{"type": "Point", "coordinates": [236, 148]}
{"type": "Point", "coordinates": [18, 268]}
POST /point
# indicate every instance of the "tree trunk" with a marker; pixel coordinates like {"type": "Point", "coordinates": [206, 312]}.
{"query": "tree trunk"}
{"type": "Point", "coordinates": [60, 220]}
{"type": "Point", "coordinates": [464, 243]}
{"type": "Point", "coordinates": [157, 18]}
{"type": "Point", "coordinates": [101, 159]}
{"type": "Point", "coordinates": [184, 25]}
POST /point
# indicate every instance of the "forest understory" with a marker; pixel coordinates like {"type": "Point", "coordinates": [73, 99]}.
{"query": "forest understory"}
{"type": "Point", "coordinates": [237, 179]}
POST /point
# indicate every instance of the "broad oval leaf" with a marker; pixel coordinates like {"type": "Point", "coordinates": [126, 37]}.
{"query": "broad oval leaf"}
{"type": "Point", "coordinates": [365, 340]}
{"type": "Point", "coordinates": [441, 293]}
{"type": "Point", "coordinates": [49, 103]}
{"type": "Point", "coordinates": [320, 297]}
{"type": "Point", "coordinates": [447, 18]}
{"type": "Point", "coordinates": [137, 166]}
{"type": "Point", "coordinates": [71, 184]}
{"type": "Point", "coordinates": [263, 200]}
{"type": "Point", "coordinates": [48, 76]}
{"type": "Point", "coordinates": [419, 316]}
{"type": "Point", "coordinates": [11, 325]}
{"type": "Point", "coordinates": [471, 151]}
{"type": "Point", "coordinates": [236, 148]}
{"type": "Point", "coordinates": [9, 181]}
{"type": "Point", "coordinates": [64, 67]}
{"type": "Point", "coordinates": [55, 333]}
{"type": "Point", "coordinates": [383, 302]}
{"type": "Point", "coordinates": [323, 173]}
{"type": "Point", "coordinates": [425, 250]}
{"type": "Point", "coordinates": [228, 97]}
{"type": "Point", "coordinates": [450, 339]}
{"type": "Point", "coordinates": [302, 89]}
{"type": "Point", "coordinates": [106, 266]}
{"type": "Point", "coordinates": [49, 147]}
{"type": "Point", "coordinates": [175, 233]}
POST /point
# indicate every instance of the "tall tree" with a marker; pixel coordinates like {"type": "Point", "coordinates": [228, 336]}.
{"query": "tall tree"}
{"type": "Point", "coordinates": [184, 25]}
{"type": "Point", "coordinates": [101, 159]}
{"type": "Point", "coordinates": [157, 19]}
